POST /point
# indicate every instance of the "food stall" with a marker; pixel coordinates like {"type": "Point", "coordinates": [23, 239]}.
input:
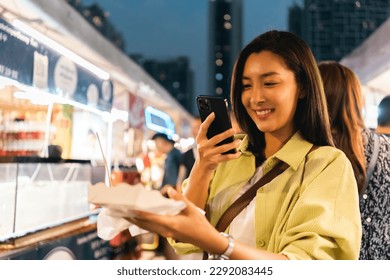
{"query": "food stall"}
{"type": "Point", "coordinates": [63, 85]}
{"type": "Point", "coordinates": [45, 93]}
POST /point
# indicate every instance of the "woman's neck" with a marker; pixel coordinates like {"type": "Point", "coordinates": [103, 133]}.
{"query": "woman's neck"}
{"type": "Point", "coordinates": [274, 143]}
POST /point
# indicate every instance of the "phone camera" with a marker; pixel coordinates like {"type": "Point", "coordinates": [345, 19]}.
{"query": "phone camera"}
{"type": "Point", "coordinates": [204, 104]}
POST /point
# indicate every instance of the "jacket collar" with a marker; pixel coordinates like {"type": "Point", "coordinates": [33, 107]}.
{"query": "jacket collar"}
{"type": "Point", "coordinates": [294, 151]}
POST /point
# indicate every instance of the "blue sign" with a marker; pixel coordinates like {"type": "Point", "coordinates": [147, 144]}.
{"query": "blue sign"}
{"type": "Point", "coordinates": [159, 121]}
{"type": "Point", "coordinates": [32, 63]}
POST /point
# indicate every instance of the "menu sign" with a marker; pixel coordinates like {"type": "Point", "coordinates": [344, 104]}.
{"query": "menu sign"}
{"type": "Point", "coordinates": [30, 62]}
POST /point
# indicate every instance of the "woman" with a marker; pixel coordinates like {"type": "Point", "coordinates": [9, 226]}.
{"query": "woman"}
{"type": "Point", "coordinates": [310, 211]}
{"type": "Point", "coordinates": [345, 103]}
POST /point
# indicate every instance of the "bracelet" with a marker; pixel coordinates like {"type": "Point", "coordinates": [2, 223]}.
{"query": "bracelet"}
{"type": "Point", "coordinates": [229, 250]}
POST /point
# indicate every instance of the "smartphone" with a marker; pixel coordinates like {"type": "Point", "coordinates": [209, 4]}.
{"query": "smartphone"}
{"type": "Point", "coordinates": [218, 105]}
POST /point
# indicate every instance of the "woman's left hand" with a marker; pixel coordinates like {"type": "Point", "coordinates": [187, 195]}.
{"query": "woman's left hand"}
{"type": "Point", "coordinates": [189, 226]}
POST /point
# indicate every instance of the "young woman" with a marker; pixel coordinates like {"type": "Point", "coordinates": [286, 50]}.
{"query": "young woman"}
{"type": "Point", "coordinates": [310, 211]}
{"type": "Point", "coordinates": [345, 102]}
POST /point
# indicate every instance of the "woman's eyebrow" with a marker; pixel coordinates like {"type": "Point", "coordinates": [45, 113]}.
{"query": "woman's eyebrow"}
{"type": "Point", "coordinates": [264, 75]}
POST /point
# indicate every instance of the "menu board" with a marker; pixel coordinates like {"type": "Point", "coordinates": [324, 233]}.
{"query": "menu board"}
{"type": "Point", "coordinates": [32, 63]}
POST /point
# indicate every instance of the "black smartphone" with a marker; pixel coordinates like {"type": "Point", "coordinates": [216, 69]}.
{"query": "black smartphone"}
{"type": "Point", "coordinates": [218, 105]}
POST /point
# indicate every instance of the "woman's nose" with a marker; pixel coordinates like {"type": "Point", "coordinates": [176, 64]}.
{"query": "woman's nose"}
{"type": "Point", "coordinates": [257, 96]}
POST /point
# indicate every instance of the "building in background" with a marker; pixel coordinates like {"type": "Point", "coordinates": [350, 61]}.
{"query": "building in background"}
{"type": "Point", "coordinates": [225, 41]}
{"type": "Point", "coordinates": [334, 28]}
{"type": "Point", "coordinates": [295, 19]}
{"type": "Point", "coordinates": [99, 19]}
{"type": "Point", "coordinates": [174, 74]}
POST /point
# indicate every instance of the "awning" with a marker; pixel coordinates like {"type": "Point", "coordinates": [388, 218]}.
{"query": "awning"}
{"type": "Point", "coordinates": [371, 61]}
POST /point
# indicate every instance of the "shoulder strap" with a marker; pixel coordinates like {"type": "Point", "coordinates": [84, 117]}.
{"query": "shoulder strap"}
{"type": "Point", "coordinates": [237, 206]}
{"type": "Point", "coordinates": [243, 201]}
{"type": "Point", "coordinates": [372, 163]}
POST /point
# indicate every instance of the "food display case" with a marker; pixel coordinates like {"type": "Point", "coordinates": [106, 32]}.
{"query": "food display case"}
{"type": "Point", "coordinates": [40, 193]}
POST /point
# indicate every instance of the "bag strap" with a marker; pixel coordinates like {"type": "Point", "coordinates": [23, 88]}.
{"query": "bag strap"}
{"type": "Point", "coordinates": [238, 205]}
{"type": "Point", "coordinates": [372, 163]}
{"type": "Point", "coordinates": [243, 201]}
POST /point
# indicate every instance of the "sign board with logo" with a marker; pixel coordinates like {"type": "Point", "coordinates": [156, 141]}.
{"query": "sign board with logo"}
{"type": "Point", "coordinates": [159, 121]}
{"type": "Point", "coordinates": [136, 111]}
{"type": "Point", "coordinates": [30, 62]}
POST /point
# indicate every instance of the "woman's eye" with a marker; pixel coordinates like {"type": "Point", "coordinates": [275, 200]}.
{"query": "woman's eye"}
{"type": "Point", "coordinates": [245, 86]}
{"type": "Point", "coordinates": [270, 84]}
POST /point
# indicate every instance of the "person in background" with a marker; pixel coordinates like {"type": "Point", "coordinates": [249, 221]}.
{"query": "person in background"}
{"type": "Point", "coordinates": [311, 209]}
{"type": "Point", "coordinates": [172, 160]}
{"type": "Point", "coordinates": [368, 153]}
{"type": "Point", "coordinates": [54, 152]}
{"type": "Point", "coordinates": [384, 117]}
{"type": "Point", "coordinates": [188, 157]}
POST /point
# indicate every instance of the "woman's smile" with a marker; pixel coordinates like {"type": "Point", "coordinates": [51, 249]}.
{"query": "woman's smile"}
{"type": "Point", "coordinates": [264, 113]}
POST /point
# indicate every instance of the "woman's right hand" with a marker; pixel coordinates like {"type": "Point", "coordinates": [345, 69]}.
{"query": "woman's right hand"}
{"type": "Point", "coordinates": [208, 157]}
{"type": "Point", "coordinates": [209, 154]}
{"type": "Point", "coordinates": [189, 226]}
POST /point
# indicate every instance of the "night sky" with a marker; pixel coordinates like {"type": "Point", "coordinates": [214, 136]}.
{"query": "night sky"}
{"type": "Point", "coordinates": [163, 29]}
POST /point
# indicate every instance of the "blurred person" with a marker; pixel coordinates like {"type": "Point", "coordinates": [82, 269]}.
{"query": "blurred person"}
{"type": "Point", "coordinates": [310, 210]}
{"type": "Point", "coordinates": [172, 161]}
{"type": "Point", "coordinates": [55, 152]}
{"type": "Point", "coordinates": [368, 153]}
{"type": "Point", "coordinates": [188, 157]}
{"type": "Point", "coordinates": [384, 117]}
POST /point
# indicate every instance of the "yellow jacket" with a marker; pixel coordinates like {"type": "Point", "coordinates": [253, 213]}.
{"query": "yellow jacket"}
{"type": "Point", "coordinates": [310, 211]}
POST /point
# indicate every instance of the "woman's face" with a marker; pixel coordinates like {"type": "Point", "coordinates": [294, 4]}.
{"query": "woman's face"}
{"type": "Point", "coordinates": [270, 94]}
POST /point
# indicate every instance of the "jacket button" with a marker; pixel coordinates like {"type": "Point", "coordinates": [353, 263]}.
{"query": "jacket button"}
{"type": "Point", "coordinates": [261, 243]}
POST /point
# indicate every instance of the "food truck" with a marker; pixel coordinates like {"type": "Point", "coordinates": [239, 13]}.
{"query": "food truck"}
{"type": "Point", "coordinates": [74, 111]}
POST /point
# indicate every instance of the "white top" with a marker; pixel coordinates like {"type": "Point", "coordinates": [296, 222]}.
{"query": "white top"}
{"type": "Point", "coordinates": [242, 228]}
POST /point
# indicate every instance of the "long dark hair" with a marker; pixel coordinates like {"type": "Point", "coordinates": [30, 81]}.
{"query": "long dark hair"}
{"type": "Point", "coordinates": [311, 116]}
{"type": "Point", "coordinates": [345, 102]}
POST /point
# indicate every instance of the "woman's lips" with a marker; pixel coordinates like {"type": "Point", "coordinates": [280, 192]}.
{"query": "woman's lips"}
{"type": "Point", "coordinates": [262, 114]}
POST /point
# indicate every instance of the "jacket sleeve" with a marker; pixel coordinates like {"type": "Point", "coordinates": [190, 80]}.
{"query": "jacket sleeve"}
{"type": "Point", "coordinates": [180, 247]}
{"type": "Point", "coordinates": [325, 222]}
{"type": "Point", "coordinates": [183, 248]}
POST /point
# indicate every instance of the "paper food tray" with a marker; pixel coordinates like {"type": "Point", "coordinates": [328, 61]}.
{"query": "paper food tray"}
{"type": "Point", "coordinates": [123, 198]}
